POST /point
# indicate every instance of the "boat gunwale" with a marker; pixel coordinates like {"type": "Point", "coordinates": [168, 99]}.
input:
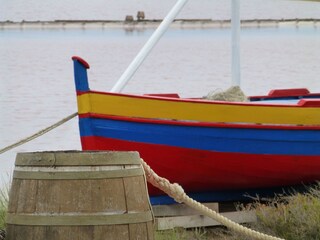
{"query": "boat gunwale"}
{"type": "Point", "coordinates": [205, 101]}
{"type": "Point", "coordinates": [199, 124]}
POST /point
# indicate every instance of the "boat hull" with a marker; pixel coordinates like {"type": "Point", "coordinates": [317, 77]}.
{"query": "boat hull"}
{"type": "Point", "coordinates": [200, 166]}
{"type": "Point", "coordinates": [210, 148]}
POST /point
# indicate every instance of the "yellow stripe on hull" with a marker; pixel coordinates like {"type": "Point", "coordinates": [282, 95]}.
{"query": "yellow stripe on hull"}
{"type": "Point", "coordinates": [127, 106]}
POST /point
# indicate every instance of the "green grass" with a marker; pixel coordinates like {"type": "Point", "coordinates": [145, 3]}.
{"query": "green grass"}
{"type": "Point", "coordinates": [3, 210]}
{"type": "Point", "coordinates": [293, 217]}
{"type": "Point", "coordinates": [4, 198]}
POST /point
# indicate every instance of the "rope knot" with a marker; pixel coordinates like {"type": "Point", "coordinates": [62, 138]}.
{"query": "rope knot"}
{"type": "Point", "coordinates": [177, 193]}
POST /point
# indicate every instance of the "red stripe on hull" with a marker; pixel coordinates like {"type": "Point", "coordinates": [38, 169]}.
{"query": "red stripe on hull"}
{"type": "Point", "coordinates": [198, 170]}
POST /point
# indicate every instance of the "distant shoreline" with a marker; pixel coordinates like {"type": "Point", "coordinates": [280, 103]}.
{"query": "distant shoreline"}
{"type": "Point", "coordinates": [145, 24]}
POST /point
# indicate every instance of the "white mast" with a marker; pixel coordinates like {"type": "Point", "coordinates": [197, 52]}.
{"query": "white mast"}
{"type": "Point", "coordinates": [137, 61]}
{"type": "Point", "coordinates": [235, 25]}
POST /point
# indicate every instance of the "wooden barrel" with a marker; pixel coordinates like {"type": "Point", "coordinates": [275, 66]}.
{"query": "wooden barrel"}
{"type": "Point", "coordinates": [79, 195]}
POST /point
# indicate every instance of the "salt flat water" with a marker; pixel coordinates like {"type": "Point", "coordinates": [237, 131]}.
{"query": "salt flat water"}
{"type": "Point", "coordinates": [33, 10]}
{"type": "Point", "coordinates": [36, 71]}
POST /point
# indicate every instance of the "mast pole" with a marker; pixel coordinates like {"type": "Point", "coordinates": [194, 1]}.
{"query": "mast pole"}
{"type": "Point", "coordinates": [235, 43]}
{"type": "Point", "coordinates": [146, 49]}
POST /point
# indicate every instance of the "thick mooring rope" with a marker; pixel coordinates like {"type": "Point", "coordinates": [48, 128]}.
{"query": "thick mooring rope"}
{"type": "Point", "coordinates": [176, 191]}
{"type": "Point", "coordinates": [38, 134]}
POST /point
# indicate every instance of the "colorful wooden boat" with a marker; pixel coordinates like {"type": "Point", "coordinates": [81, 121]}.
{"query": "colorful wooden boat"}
{"type": "Point", "coordinates": [213, 149]}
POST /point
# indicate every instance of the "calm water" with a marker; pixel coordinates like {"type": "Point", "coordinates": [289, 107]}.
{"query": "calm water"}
{"type": "Point", "coordinates": [18, 10]}
{"type": "Point", "coordinates": [36, 75]}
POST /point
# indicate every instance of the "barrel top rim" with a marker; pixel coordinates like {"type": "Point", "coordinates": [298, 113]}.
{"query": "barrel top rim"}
{"type": "Point", "coordinates": [77, 158]}
{"type": "Point", "coordinates": [77, 151]}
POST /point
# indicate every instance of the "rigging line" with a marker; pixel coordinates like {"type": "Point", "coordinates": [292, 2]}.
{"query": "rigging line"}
{"type": "Point", "coordinates": [38, 134]}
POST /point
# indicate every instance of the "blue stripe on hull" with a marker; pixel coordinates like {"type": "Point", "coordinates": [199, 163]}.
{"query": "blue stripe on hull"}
{"type": "Point", "coordinates": [238, 140]}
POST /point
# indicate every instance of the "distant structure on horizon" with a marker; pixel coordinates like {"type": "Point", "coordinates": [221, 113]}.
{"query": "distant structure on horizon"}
{"type": "Point", "coordinates": [140, 15]}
